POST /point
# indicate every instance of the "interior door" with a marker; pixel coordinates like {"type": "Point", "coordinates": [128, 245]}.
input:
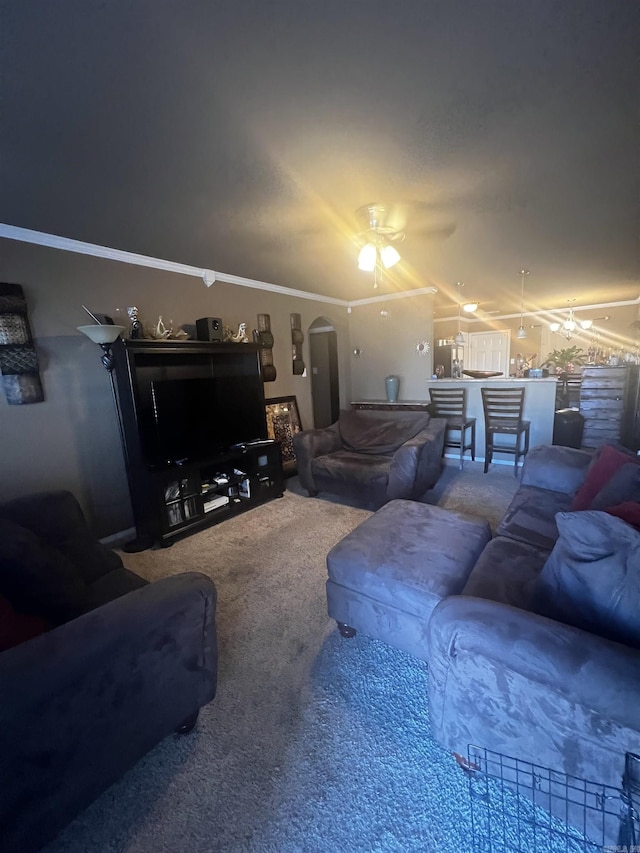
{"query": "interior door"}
{"type": "Point", "coordinates": [489, 351]}
{"type": "Point", "coordinates": [323, 350]}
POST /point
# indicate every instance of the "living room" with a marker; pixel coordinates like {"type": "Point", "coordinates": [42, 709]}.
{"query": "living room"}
{"type": "Point", "coordinates": [143, 148]}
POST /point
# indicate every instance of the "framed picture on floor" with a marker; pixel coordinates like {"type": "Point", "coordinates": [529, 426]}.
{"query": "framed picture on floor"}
{"type": "Point", "coordinates": [283, 422]}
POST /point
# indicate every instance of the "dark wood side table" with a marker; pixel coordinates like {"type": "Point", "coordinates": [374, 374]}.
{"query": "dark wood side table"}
{"type": "Point", "coordinates": [386, 406]}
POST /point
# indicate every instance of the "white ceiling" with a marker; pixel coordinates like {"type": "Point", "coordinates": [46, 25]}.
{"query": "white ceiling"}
{"type": "Point", "coordinates": [242, 136]}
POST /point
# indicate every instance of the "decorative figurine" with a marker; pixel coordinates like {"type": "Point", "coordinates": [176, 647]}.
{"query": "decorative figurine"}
{"type": "Point", "coordinates": [240, 337]}
{"type": "Point", "coordinates": [136, 332]}
{"type": "Point", "coordinates": [161, 330]}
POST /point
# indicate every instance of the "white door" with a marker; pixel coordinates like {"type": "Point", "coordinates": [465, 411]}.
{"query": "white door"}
{"type": "Point", "coordinates": [489, 351]}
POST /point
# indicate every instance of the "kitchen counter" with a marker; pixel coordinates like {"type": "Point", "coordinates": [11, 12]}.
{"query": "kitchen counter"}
{"type": "Point", "coordinates": [539, 407]}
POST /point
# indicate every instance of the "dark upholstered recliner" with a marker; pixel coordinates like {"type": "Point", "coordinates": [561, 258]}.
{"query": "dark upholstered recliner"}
{"type": "Point", "coordinates": [372, 456]}
{"type": "Point", "coordinates": [96, 667]}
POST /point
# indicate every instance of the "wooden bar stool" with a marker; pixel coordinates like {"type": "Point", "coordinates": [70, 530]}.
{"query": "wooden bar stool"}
{"type": "Point", "coordinates": [451, 403]}
{"type": "Point", "coordinates": [503, 415]}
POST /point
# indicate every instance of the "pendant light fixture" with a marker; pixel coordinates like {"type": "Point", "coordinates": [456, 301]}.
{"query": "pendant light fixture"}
{"type": "Point", "coordinates": [571, 324]}
{"type": "Point", "coordinates": [521, 334]}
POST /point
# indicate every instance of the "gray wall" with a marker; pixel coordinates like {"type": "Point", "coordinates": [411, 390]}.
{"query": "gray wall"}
{"type": "Point", "coordinates": [71, 440]}
{"type": "Point", "coordinates": [388, 345]}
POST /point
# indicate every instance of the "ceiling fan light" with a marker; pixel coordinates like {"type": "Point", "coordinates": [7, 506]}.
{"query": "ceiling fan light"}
{"type": "Point", "coordinates": [367, 258]}
{"type": "Point", "coordinates": [470, 307]}
{"type": "Point", "coordinates": [389, 255]}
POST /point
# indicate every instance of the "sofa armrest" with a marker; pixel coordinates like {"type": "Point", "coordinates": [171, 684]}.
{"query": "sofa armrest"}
{"type": "Point", "coordinates": [416, 465]}
{"type": "Point", "coordinates": [84, 702]}
{"type": "Point", "coordinates": [556, 468]}
{"type": "Point", "coordinates": [533, 688]}
{"type": "Point", "coordinates": [311, 443]}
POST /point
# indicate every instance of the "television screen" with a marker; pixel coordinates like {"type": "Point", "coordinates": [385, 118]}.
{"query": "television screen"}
{"type": "Point", "coordinates": [197, 418]}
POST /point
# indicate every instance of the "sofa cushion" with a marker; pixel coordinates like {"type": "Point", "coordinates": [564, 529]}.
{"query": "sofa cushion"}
{"type": "Point", "coordinates": [16, 628]}
{"type": "Point", "coordinates": [57, 518]}
{"type": "Point", "coordinates": [39, 579]}
{"type": "Point", "coordinates": [115, 584]}
{"type": "Point", "coordinates": [556, 468]}
{"type": "Point", "coordinates": [592, 577]}
{"type": "Point", "coordinates": [507, 571]}
{"type": "Point", "coordinates": [377, 432]}
{"type": "Point", "coordinates": [605, 464]}
{"type": "Point", "coordinates": [624, 485]}
{"type": "Point", "coordinates": [355, 475]}
{"type": "Point", "coordinates": [530, 517]}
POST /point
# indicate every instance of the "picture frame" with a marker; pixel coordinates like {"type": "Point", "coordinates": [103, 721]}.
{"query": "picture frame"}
{"type": "Point", "coordinates": [283, 422]}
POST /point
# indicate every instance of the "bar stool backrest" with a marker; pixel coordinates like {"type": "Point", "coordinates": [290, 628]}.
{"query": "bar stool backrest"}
{"type": "Point", "coordinates": [502, 406]}
{"type": "Point", "coordinates": [449, 403]}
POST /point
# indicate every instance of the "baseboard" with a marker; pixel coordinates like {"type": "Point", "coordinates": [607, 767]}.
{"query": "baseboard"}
{"type": "Point", "coordinates": [116, 539]}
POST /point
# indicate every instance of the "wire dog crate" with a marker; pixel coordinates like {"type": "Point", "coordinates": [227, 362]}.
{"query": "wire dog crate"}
{"type": "Point", "coordinates": [519, 807]}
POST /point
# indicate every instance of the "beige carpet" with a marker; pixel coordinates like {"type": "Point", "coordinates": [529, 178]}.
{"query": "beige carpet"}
{"type": "Point", "coordinates": [312, 743]}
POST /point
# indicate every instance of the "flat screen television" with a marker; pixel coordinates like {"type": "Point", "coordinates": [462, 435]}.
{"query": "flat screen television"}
{"type": "Point", "coordinates": [196, 418]}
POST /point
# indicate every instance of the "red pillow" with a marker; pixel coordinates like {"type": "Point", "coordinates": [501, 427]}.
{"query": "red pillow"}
{"type": "Point", "coordinates": [628, 511]}
{"type": "Point", "coordinates": [599, 474]}
{"type": "Point", "coordinates": [16, 628]}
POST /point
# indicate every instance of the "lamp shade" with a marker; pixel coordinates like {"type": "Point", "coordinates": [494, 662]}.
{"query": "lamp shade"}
{"type": "Point", "coordinates": [389, 255]}
{"type": "Point", "coordinates": [521, 334]}
{"type": "Point", "coordinates": [367, 258]}
{"type": "Point", "coordinates": [105, 334]}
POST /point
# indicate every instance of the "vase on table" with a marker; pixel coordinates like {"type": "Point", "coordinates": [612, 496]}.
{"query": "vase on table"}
{"type": "Point", "coordinates": [392, 383]}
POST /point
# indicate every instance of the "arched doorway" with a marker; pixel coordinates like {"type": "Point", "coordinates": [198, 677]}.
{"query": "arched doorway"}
{"type": "Point", "coordinates": [325, 387]}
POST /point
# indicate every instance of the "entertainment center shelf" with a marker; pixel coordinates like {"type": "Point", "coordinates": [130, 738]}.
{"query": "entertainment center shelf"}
{"type": "Point", "coordinates": [194, 434]}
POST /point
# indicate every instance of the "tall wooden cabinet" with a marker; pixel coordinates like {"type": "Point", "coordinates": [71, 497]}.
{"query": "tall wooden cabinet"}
{"type": "Point", "coordinates": [609, 398]}
{"type": "Point", "coordinates": [175, 497]}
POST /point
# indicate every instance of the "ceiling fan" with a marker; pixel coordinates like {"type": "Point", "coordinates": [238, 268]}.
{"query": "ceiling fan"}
{"type": "Point", "coordinates": [382, 225]}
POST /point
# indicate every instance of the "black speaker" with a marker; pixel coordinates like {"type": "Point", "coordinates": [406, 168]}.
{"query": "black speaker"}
{"type": "Point", "coordinates": [209, 329]}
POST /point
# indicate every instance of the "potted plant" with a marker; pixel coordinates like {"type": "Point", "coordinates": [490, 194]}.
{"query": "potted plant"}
{"type": "Point", "coordinates": [564, 360]}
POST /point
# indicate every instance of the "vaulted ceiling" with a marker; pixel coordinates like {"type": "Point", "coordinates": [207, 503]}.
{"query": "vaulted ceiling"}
{"type": "Point", "coordinates": [242, 136]}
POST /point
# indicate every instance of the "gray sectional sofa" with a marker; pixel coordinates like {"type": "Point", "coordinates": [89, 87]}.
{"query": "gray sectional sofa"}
{"type": "Point", "coordinates": [532, 636]}
{"type": "Point", "coordinates": [96, 665]}
{"type": "Point", "coordinates": [539, 657]}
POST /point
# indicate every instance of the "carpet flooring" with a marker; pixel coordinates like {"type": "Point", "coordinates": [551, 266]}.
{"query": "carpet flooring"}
{"type": "Point", "coordinates": [313, 742]}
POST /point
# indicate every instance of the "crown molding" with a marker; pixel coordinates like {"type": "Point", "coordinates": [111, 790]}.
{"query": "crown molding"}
{"type": "Point", "coordinates": [403, 294]}
{"type": "Point", "coordinates": [66, 244]}
{"type": "Point", "coordinates": [207, 275]}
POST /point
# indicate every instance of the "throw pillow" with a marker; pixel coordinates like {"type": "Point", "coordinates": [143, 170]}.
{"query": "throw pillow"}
{"type": "Point", "coordinates": [39, 579]}
{"type": "Point", "coordinates": [591, 579]}
{"type": "Point", "coordinates": [16, 628]}
{"type": "Point", "coordinates": [628, 511]}
{"type": "Point", "coordinates": [623, 486]}
{"type": "Point", "coordinates": [608, 461]}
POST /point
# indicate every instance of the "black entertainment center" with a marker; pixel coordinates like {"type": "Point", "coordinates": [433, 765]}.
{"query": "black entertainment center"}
{"type": "Point", "coordinates": [194, 433]}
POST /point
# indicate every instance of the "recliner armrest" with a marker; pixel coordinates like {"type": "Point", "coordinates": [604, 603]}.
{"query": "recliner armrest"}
{"type": "Point", "coordinates": [311, 443]}
{"type": "Point", "coordinates": [84, 702]}
{"type": "Point", "coordinates": [416, 465]}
